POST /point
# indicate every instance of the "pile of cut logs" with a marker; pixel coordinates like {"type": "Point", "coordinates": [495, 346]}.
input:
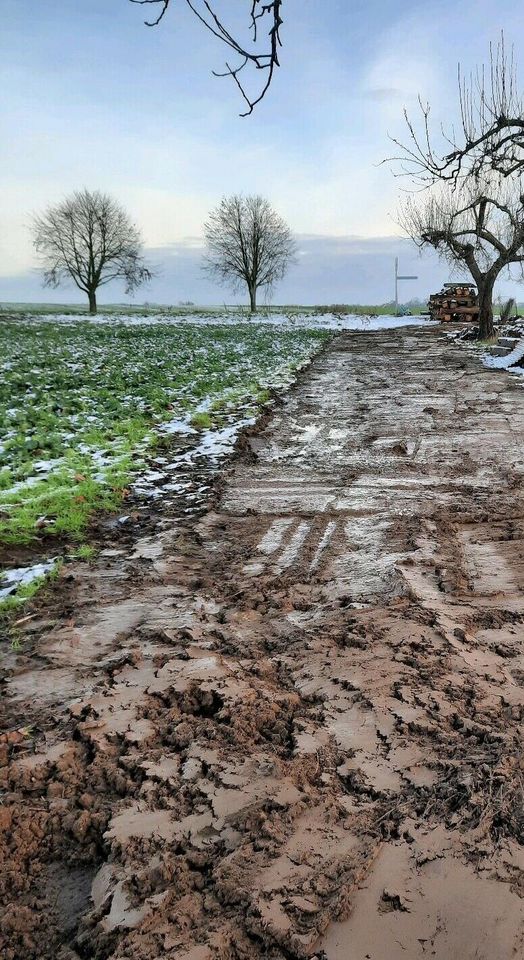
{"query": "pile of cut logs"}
{"type": "Point", "coordinates": [456, 301]}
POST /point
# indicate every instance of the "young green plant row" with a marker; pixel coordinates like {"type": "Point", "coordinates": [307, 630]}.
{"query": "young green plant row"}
{"type": "Point", "coordinates": [82, 406]}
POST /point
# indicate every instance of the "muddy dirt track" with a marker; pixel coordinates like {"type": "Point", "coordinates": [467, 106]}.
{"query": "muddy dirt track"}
{"type": "Point", "coordinates": [292, 727]}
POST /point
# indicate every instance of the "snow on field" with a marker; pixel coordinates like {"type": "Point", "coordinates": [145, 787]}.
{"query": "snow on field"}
{"type": "Point", "coordinates": [100, 412]}
{"type": "Point", "coordinates": [307, 321]}
{"type": "Point", "coordinates": [185, 476]}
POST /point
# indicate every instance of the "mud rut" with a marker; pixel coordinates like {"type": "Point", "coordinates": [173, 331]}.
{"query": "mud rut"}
{"type": "Point", "coordinates": [293, 726]}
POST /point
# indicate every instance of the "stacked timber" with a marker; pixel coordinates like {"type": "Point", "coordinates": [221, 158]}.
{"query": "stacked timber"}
{"type": "Point", "coordinates": [455, 302]}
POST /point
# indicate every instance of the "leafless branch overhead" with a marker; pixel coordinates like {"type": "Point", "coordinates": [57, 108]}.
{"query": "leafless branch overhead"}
{"type": "Point", "coordinates": [259, 14]}
{"type": "Point", "coordinates": [489, 139]}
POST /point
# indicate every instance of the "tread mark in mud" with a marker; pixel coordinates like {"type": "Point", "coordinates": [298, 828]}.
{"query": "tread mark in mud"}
{"type": "Point", "coordinates": [272, 540]}
{"type": "Point", "coordinates": [324, 543]}
{"type": "Point", "coordinates": [292, 550]}
{"type": "Point", "coordinates": [288, 541]}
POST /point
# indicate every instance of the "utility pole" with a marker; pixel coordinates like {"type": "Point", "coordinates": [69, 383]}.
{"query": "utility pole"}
{"type": "Point", "coordinates": [397, 278]}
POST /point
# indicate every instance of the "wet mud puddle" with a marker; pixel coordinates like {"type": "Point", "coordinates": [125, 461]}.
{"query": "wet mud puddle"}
{"type": "Point", "coordinates": [291, 727]}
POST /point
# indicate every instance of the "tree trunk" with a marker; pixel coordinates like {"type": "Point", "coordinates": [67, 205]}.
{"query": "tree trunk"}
{"type": "Point", "coordinates": [92, 301]}
{"type": "Point", "coordinates": [253, 299]}
{"type": "Point", "coordinates": [486, 328]}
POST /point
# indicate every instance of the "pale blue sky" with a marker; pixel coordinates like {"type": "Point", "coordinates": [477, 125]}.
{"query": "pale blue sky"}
{"type": "Point", "coordinates": [93, 98]}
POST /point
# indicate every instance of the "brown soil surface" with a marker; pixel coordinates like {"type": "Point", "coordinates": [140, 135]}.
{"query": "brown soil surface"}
{"type": "Point", "coordinates": [291, 727]}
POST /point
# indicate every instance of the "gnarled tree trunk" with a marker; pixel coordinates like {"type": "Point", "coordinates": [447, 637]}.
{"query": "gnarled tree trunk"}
{"type": "Point", "coordinates": [486, 327]}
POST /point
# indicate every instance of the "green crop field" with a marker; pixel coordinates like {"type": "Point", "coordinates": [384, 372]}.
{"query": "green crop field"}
{"type": "Point", "coordinates": [82, 405]}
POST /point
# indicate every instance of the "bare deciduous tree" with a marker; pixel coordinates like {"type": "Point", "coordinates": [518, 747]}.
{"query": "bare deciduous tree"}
{"type": "Point", "coordinates": [491, 131]}
{"type": "Point", "coordinates": [260, 13]}
{"type": "Point", "coordinates": [89, 239]}
{"type": "Point", "coordinates": [248, 243]}
{"type": "Point", "coordinates": [481, 231]}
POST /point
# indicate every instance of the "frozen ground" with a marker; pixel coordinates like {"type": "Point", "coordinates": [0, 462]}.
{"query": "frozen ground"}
{"type": "Point", "coordinates": [321, 321]}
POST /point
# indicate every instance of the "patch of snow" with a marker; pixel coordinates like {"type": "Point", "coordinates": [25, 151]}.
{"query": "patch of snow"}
{"type": "Point", "coordinates": [180, 426]}
{"type": "Point", "coordinates": [217, 443]}
{"type": "Point", "coordinates": [180, 475]}
{"type": "Point", "coordinates": [273, 538]}
{"type": "Point", "coordinates": [21, 576]}
{"type": "Point", "coordinates": [45, 466]}
{"type": "Point", "coordinates": [151, 476]}
{"type": "Point", "coordinates": [308, 321]}
{"type": "Point", "coordinates": [507, 362]}
{"type": "Point", "coordinates": [20, 485]}
{"type": "Point", "coordinates": [310, 431]}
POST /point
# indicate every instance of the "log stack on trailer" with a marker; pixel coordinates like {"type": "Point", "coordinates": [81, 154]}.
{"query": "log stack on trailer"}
{"type": "Point", "coordinates": [455, 302]}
